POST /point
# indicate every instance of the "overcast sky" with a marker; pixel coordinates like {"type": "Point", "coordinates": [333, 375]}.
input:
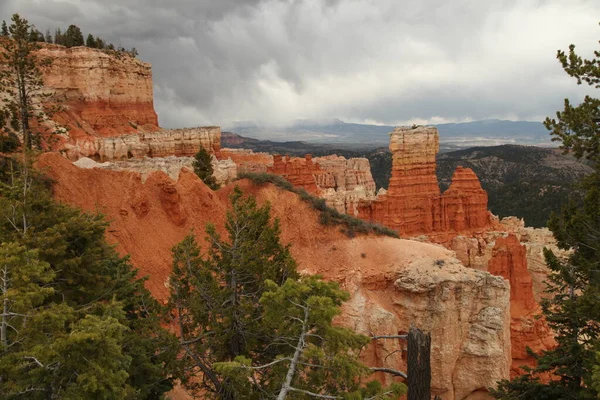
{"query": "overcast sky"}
{"type": "Point", "coordinates": [378, 61]}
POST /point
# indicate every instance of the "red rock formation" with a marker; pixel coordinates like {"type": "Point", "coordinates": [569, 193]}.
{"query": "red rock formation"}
{"type": "Point", "coordinates": [106, 94]}
{"type": "Point", "coordinates": [413, 204]}
{"type": "Point", "coordinates": [509, 260]}
{"type": "Point", "coordinates": [465, 202]}
{"type": "Point", "coordinates": [299, 172]}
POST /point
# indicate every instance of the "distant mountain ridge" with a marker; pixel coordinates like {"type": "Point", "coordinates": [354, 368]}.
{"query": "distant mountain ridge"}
{"type": "Point", "coordinates": [338, 132]}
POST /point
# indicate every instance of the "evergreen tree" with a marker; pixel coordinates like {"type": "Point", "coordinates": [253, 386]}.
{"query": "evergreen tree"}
{"type": "Point", "coordinates": [73, 36]}
{"type": "Point", "coordinates": [4, 30]}
{"type": "Point", "coordinates": [204, 169]}
{"type": "Point", "coordinates": [573, 307]}
{"type": "Point", "coordinates": [216, 297]}
{"type": "Point", "coordinates": [100, 44]}
{"type": "Point", "coordinates": [21, 82]}
{"type": "Point", "coordinates": [578, 128]}
{"type": "Point", "coordinates": [72, 305]}
{"type": "Point", "coordinates": [35, 35]}
{"type": "Point", "coordinates": [313, 358]}
{"type": "Point", "coordinates": [90, 41]}
{"type": "Point", "coordinates": [48, 36]}
{"type": "Point", "coordinates": [58, 37]}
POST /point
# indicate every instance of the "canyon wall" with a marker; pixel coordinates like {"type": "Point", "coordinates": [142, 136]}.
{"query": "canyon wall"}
{"type": "Point", "coordinates": [101, 93]}
{"type": "Point", "coordinates": [413, 203]}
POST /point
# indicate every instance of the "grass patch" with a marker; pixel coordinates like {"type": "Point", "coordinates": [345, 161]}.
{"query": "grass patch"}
{"type": "Point", "coordinates": [350, 225]}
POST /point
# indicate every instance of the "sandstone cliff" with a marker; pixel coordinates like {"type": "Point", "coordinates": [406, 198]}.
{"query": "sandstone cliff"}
{"type": "Point", "coordinates": [509, 260]}
{"type": "Point", "coordinates": [163, 143]}
{"type": "Point", "coordinates": [413, 204]}
{"type": "Point", "coordinates": [105, 94]}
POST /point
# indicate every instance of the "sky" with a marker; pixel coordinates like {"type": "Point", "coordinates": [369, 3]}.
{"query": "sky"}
{"type": "Point", "coordinates": [390, 62]}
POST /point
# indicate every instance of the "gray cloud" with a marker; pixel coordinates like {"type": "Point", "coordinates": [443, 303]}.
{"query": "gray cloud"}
{"type": "Point", "coordinates": [385, 61]}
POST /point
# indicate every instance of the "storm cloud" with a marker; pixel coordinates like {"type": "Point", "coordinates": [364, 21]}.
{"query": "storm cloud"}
{"type": "Point", "coordinates": [375, 61]}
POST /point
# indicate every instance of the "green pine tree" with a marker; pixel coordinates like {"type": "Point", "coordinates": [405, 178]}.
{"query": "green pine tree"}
{"type": "Point", "coordinates": [313, 357]}
{"type": "Point", "coordinates": [100, 43]}
{"type": "Point", "coordinates": [216, 297]}
{"type": "Point", "coordinates": [22, 86]}
{"type": "Point", "coordinates": [203, 168]}
{"type": "Point", "coordinates": [58, 37]}
{"type": "Point", "coordinates": [573, 306]}
{"type": "Point", "coordinates": [98, 322]}
{"type": "Point", "coordinates": [90, 41]}
{"type": "Point", "coordinates": [73, 36]}
{"type": "Point", "coordinates": [4, 30]}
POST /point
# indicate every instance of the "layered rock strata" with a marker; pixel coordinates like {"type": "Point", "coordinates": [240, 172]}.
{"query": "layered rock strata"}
{"type": "Point", "coordinates": [413, 203]}
{"type": "Point", "coordinates": [528, 330]}
{"type": "Point", "coordinates": [164, 143]}
{"type": "Point", "coordinates": [102, 93]}
{"type": "Point", "coordinates": [502, 253]}
{"type": "Point", "coordinates": [225, 171]}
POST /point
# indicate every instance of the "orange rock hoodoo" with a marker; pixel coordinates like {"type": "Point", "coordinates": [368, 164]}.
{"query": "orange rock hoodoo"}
{"type": "Point", "coordinates": [509, 260]}
{"type": "Point", "coordinates": [413, 203]}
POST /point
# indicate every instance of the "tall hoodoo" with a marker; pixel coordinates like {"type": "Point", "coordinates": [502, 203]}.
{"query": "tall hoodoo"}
{"type": "Point", "coordinates": [413, 204]}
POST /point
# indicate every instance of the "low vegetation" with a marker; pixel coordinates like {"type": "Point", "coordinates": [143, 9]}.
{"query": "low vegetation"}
{"type": "Point", "coordinates": [328, 216]}
{"type": "Point", "coordinates": [203, 168]}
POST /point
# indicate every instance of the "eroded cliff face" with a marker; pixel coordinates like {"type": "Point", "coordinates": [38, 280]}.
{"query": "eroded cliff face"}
{"type": "Point", "coordinates": [104, 94]}
{"type": "Point", "coordinates": [163, 143]}
{"type": "Point", "coordinates": [528, 329]}
{"type": "Point", "coordinates": [515, 253]}
{"type": "Point", "coordinates": [394, 283]}
{"type": "Point", "coordinates": [342, 182]}
{"type": "Point", "coordinates": [413, 203]}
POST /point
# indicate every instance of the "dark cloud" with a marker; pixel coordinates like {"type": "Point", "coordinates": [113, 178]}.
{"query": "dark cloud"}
{"type": "Point", "coordinates": [385, 61]}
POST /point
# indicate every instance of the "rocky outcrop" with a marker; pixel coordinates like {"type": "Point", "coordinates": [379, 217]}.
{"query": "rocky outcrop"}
{"type": "Point", "coordinates": [300, 172]}
{"type": "Point", "coordinates": [413, 204]}
{"type": "Point", "coordinates": [501, 253]}
{"type": "Point", "coordinates": [105, 93]}
{"type": "Point", "coordinates": [528, 330]}
{"type": "Point", "coordinates": [343, 183]}
{"type": "Point", "coordinates": [465, 202]}
{"type": "Point", "coordinates": [164, 143]}
{"type": "Point", "coordinates": [225, 171]}
{"type": "Point", "coordinates": [469, 306]}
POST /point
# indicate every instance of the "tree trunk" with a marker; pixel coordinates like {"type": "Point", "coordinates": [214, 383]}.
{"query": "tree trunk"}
{"type": "Point", "coordinates": [4, 323]}
{"type": "Point", "coordinates": [419, 367]}
{"type": "Point", "coordinates": [285, 388]}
